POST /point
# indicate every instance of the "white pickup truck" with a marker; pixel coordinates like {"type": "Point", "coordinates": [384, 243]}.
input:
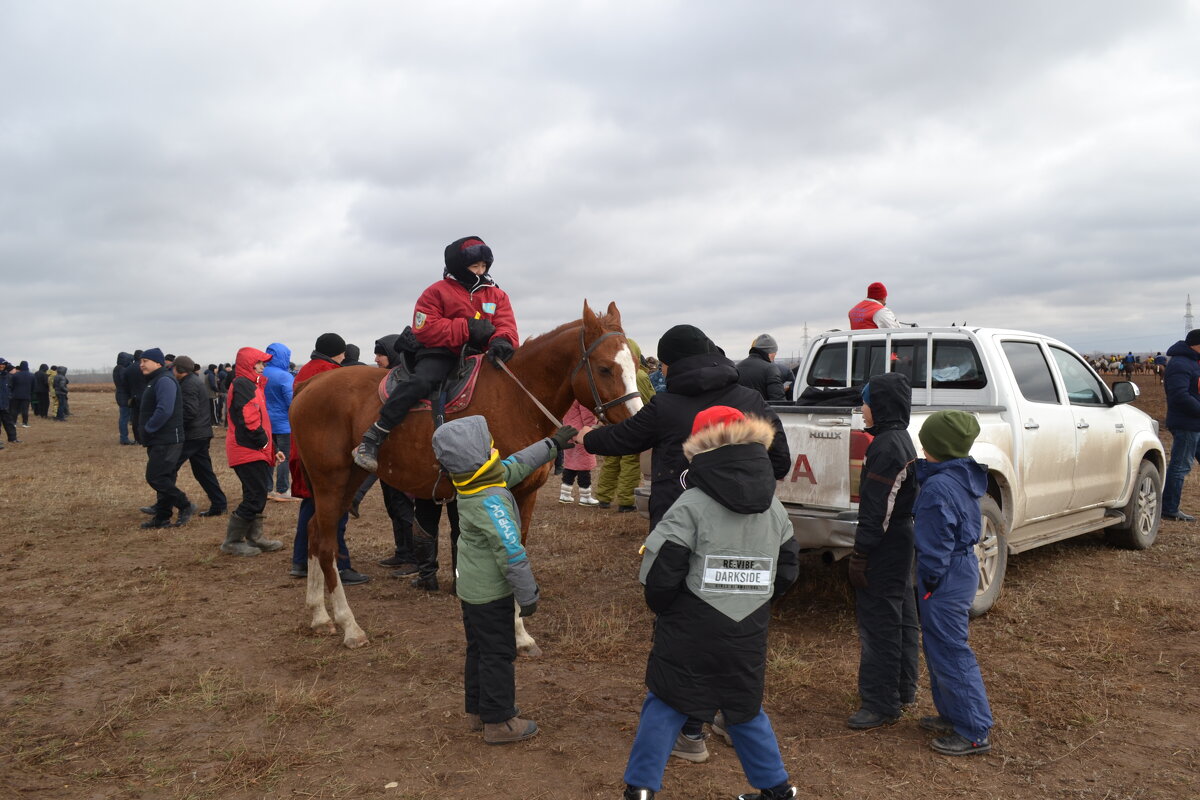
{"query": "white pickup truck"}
{"type": "Point", "coordinates": [1065, 454]}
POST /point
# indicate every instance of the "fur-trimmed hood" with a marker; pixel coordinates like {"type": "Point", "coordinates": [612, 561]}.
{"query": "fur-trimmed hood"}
{"type": "Point", "coordinates": [729, 463]}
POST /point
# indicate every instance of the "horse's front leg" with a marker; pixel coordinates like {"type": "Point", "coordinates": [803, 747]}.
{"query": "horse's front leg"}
{"type": "Point", "coordinates": [526, 646]}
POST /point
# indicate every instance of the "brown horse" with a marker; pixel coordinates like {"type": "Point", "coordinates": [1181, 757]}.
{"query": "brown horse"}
{"type": "Point", "coordinates": [587, 360]}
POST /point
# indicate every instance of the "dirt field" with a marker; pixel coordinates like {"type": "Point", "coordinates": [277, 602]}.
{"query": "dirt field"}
{"type": "Point", "coordinates": [145, 664]}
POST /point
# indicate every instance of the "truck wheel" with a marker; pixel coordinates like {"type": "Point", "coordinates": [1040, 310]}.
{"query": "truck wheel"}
{"type": "Point", "coordinates": [992, 552]}
{"type": "Point", "coordinates": [1143, 514]}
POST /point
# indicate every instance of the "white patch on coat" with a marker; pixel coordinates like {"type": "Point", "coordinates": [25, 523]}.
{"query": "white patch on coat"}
{"type": "Point", "coordinates": [624, 360]}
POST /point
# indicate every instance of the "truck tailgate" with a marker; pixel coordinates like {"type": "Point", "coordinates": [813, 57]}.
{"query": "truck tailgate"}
{"type": "Point", "coordinates": [820, 443]}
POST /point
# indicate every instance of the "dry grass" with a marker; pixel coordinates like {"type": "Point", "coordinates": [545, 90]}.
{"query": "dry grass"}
{"type": "Point", "coordinates": [144, 664]}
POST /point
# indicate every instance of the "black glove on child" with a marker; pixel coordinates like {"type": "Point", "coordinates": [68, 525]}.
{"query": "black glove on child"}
{"type": "Point", "coordinates": [529, 610]}
{"type": "Point", "coordinates": [500, 349]}
{"type": "Point", "coordinates": [858, 570]}
{"type": "Point", "coordinates": [478, 333]}
{"type": "Point", "coordinates": [563, 436]}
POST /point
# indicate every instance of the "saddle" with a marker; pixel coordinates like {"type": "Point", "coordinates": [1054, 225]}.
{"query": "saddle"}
{"type": "Point", "coordinates": [454, 394]}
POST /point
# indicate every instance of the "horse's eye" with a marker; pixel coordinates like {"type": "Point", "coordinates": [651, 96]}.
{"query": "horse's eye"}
{"type": "Point", "coordinates": [606, 371]}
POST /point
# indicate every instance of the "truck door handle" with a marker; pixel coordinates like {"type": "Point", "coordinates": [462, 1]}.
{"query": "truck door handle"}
{"type": "Point", "coordinates": [1031, 424]}
{"type": "Point", "coordinates": [834, 422]}
{"type": "Point", "coordinates": [1082, 424]}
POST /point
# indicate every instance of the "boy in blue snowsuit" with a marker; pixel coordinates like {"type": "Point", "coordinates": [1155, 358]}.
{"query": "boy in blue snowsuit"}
{"type": "Point", "coordinates": [947, 527]}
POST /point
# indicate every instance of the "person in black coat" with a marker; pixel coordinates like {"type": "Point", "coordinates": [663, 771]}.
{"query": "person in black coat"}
{"type": "Point", "coordinates": [162, 434]}
{"type": "Point", "coordinates": [41, 391]}
{"type": "Point", "coordinates": [122, 395]}
{"type": "Point", "coordinates": [22, 393]}
{"type": "Point", "coordinates": [198, 434]}
{"type": "Point", "coordinates": [758, 370]}
{"type": "Point", "coordinates": [698, 376]}
{"type": "Point", "coordinates": [881, 565]}
{"type": "Point", "coordinates": [135, 385]}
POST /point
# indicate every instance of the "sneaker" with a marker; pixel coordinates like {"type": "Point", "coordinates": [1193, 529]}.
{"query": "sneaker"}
{"type": "Point", "coordinates": [690, 749]}
{"type": "Point", "coordinates": [394, 561]}
{"type": "Point", "coordinates": [351, 578]}
{"type": "Point", "coordinates": [864, 720]}
{"type": "Point", "coordinates": [937, 724]}
{"type": "Point", "coordinates": [771, 794]}
{"type": "Point", "coordinates": [512, 730]}
{"type": "Point", "coordinates": [149, 510]}
{"type": "Point", "coordinates": [23, 425]}
{"type": "Point", "coordinates": [718, 727]}
{"type": "Point", "coordinates": [298, 570]}
{"type": "Point", "coordinates": [213, 512]}
{"type": "Point", "coordinates": [404, 571]}
{"type": "Point", "coordinates": [637, 793]}
{"type": "Point", "coordinates": [157, 523]}
{"type": "Point", "coordinates": [1179, 516]}
{"type": "Point", "coordinates": [958, 745]}
{"type": "Point", "coordinates": [626, 509]}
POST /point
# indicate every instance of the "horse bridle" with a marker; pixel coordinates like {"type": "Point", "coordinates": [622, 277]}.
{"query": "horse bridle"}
{"type": "Point", "coordinates": [584, 361]}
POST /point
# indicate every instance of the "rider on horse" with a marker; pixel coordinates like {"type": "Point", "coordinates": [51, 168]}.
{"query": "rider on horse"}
{"type": "Point", "coordinates": [465, 307]}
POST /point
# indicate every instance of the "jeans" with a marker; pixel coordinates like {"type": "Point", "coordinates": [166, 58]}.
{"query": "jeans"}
{"type": "Point", "coordinates": [1183, 451]}
{"type": "Point", "coordinates": [308, 508]}
{"type": "Point", "coordinates": [123, 423]}
{"type": "Point", "coordinates": [282, 442]}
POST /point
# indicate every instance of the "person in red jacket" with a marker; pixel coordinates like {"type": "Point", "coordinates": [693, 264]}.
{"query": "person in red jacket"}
{"type": "Point", "coordinates": [248, 448]}
{"type": "Point", "coordinates": [873, 312]}
{"type": "Point", "coordinates": [464, 307]}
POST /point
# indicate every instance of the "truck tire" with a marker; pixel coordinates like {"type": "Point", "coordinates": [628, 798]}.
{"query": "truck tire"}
{"type": "Point", "coordinates": [992, 552]}
{"type": "Point", "coordinates": [1143, 514]}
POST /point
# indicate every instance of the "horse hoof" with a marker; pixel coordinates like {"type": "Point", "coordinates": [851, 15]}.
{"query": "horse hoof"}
{"type": "Point", "coordinates": [355, 642]}
{"type": "Point", "coordinates": [325, 628]}
{"type": "Point", "coordinates": [530, 650]}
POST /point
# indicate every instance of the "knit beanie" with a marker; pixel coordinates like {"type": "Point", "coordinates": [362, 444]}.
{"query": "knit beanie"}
{"type": "Point", "coordinates": [877, 291]}
{"type": "Point", "coordinates": [949, 434]}
{"type": "Point", "coordinates": [1193, 338]}
{"type": "Point", "coordinates": [154, 354]}
{"type": "Point", "coordinates": [766, 343]}
{"type": "Point", "coordinates": [330, 344]}
{"type": "Point", "coordinates": [185, 365]}
{"type": "Point", "coordinates": [716, 415]}
{"type": "Point", "coordinates": [352, 352]}
{"type": "Point", "coordinates": [683, 341]}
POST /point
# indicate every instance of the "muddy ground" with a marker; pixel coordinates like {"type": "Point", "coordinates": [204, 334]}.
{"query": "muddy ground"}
{"type": "Point", "coordinates": [140, 663]}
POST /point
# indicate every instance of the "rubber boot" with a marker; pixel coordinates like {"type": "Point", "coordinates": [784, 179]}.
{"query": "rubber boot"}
{"type": "Point", "coordinates": [511, 730]}
{"type": "Point", "coordinates": [235, 537]}
{"type": "Point", "coordinates": [564, 494]}
{"type": "Point", "coordinates": [255, 537]}
{"type": "Point", "coordinates": [586, 499]}
{"type": "Point", "coordinates": [366, 455]}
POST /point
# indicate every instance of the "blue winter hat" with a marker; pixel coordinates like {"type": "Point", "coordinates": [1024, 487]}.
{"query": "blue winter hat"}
{"type": "Point", "coordinates": [155, 354]}
{"type": "Point", "coordinates": [866, 394]}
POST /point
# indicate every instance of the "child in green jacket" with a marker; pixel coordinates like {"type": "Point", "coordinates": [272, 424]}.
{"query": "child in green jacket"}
{"type": "Point", "coordinates": [493, 568]}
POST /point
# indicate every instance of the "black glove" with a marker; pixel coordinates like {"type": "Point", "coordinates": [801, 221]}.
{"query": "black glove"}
{"type": "Point", "coordinates": [529, 610]}
{"type": "Point", "coordinates": [478, 333]}
{"type": "Point", "coordinates": [858, 570]}
{"type": "Point", "coordinates": [500, 349]}
{"type": "Point", "coordinates": [563, 436]}
{"type": "Point", "coordinates": [931, 585]}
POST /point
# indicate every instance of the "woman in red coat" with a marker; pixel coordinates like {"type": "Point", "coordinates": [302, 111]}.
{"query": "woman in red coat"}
{"type": "Point", "coordinates": [248, 448]}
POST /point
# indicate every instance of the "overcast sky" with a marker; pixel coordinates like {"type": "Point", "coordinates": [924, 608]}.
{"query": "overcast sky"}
{"type": "Point", "coordinates": [203, 176]}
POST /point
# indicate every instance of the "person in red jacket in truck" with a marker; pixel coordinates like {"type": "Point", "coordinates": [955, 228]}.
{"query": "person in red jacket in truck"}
{"type": "Point", "coordinates": [464, 307]}
{"type": "Point", "coordinates": [873, 311]}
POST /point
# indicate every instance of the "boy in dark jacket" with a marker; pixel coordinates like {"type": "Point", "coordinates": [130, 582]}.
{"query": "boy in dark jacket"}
{"type": "Point", "coordinates": [1181, 382]}
{"type": "Point", "coordinates": [493, 568]}
{"type": "Point", "coordinates": [881, 563]}
{"type": "Point", "coordinates": [948, 524]}
{"type": "Point", "coordinates": [711, 567]}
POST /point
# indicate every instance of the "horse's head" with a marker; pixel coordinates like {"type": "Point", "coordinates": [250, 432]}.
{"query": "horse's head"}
{"type": "Point", "coordinates": [605, 379]}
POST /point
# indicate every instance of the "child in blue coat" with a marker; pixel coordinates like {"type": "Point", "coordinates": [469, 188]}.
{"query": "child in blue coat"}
{"type": "Point", "coordinates": [947, 524]}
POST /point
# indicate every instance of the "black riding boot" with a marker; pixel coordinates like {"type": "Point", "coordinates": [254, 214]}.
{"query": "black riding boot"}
{"type": "Point", "coordinates": [366, 455]}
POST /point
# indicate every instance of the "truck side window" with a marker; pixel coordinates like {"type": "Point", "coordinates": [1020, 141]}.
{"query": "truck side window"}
{"type": "Point", "coordinates": [1032, 372]}
{"type": "Point", "coordinates": [956, 365]}
{"type": "Point", "coordinates": [829, 367]}
{"type": "Point", "coordinates": [1082, 386]}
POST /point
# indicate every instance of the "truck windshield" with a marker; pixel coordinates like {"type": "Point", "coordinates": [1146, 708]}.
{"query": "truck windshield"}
{"type": "Point", "coordinates": [956, 364]}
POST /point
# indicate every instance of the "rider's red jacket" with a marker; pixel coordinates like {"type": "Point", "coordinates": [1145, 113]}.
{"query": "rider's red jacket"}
{"type": "Point", "coordinates": [442, 311]}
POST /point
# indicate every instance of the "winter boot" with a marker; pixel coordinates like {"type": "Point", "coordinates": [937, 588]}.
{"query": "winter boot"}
{"type": "Point", "coordinates": [235, 537]}
{"type": "Point", "coordinates": [428, 583]}
{"type": "Point", "coordinates": [586, 499]}
{"type": "Point", "coordinates": [366, 455]}
{"type": "Point", "coordinates": [255, 537]}
{"type": "Point", "coordinates": [565, 495]}
{"type": "Point", "coordinates": [637, 793]}
{"type": "Point", "coordinates": [512, 730]}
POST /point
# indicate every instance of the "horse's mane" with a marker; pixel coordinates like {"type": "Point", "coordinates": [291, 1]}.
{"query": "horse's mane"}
{"type": "Point", "coordinates": [565, 326]}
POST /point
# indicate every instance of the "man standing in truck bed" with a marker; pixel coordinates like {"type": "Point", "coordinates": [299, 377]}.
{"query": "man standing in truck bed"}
{"type": "Point", "coordinates": [873, 312]}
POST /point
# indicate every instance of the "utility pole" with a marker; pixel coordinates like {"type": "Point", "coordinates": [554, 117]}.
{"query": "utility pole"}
{"type": "Point", "coordinates": [1187, 317]}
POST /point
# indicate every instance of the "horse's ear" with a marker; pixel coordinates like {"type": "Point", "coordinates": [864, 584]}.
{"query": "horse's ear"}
{"type": "Point", "coordinates": [613, 315]}
{"type": "Point", "coordinates": [590, 320]}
